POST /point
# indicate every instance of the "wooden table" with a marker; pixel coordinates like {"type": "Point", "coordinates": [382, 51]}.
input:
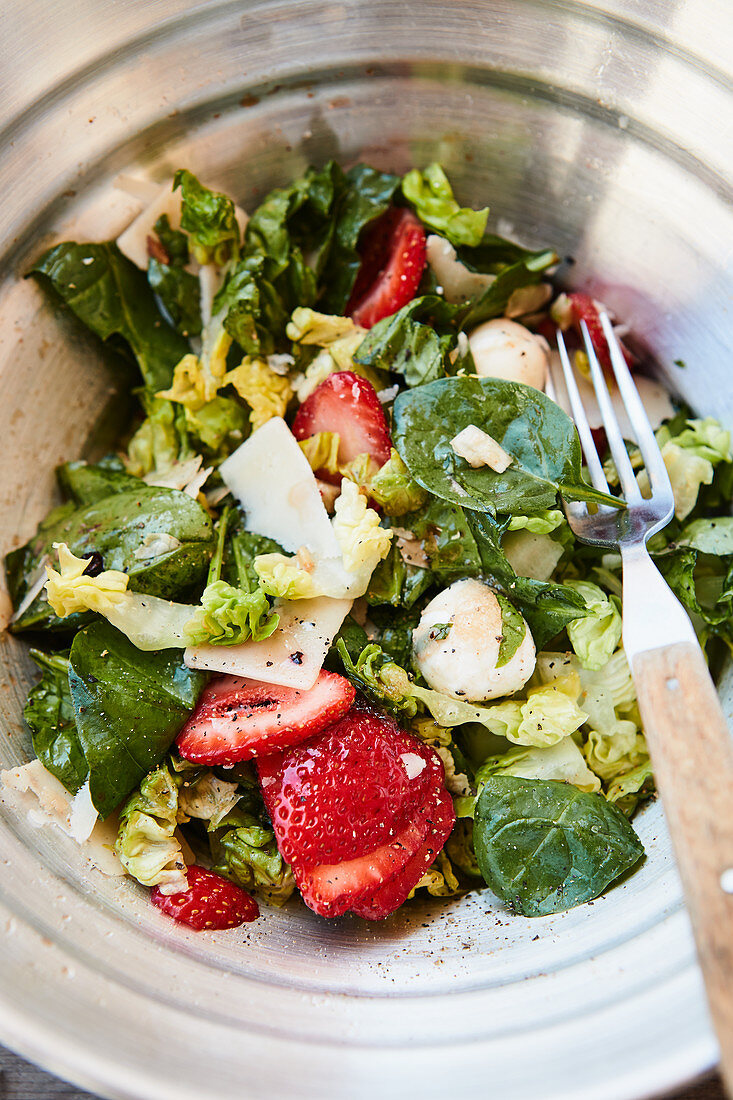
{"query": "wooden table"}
{"type": "Point", "coordinates": [20, 1080]}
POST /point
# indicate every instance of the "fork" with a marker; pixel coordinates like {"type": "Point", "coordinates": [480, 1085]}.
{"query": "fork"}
{"type": "Point", "coordinates": [689, 742]}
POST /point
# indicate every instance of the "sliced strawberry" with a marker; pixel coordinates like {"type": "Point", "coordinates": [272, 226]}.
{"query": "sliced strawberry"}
{"type": "Point", "coordinates": [350, 791]}
{"type": "Point", "coordinates": [209, 902]}
{"type": "Point", "coordinates": [333, 889]}
{"type": "Point", "coordinates": [346, 404]}
{"type": "Point", "coordinates": [238, 719]}
{"type": "Point", "coordinates": [441, 819]}
{"type": "Point", "coordinates": [585, 309]}
{"type": "Point", "coordinates": [393, 260]}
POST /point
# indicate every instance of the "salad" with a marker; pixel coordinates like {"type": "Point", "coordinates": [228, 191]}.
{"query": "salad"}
{"type": "Point", "coordinates": [318, 624]}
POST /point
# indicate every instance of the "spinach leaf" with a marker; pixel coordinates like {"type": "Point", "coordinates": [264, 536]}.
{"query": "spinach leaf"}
{"type": "Point", "coordinates": [255, 314]}
{"type": "Point", "coordinates": [129, 707]}
{"type": "Point", "coordinates": [365, 195]}
{"type": "Point", "coordinates": [546, 606]}
{"type": "Point", "coordinates": [512, 631]}
{"type": "Point", "coordinates": [401, 343]}
{"type": "Point", "coordinates": [493, 301]}
{"type": "Point", "coordinates": [394, 632]}
{"type": "Point", "coordinates": [544, 846]}
{"type": "Point", "coordinates": [180, 294]}
{"type": "Point", "coordinates": [49, 713]}
{"type": "Point", "coordinates": [448, 539]}
{"type": "Point", "coordinates": [210, 218]}
{"type": "Point", "coordinates": [494, 253]}
{"type": "Point", "coordinates": [111, 296]}
{"type": "Point", "coordinates": [178, 290]}
{"type": "Point", "coordinates": [353, 637]}
{"type": "Point", "coordinates": [85, 484]}
{"type": "Point", "coordinates": [704, 584]}
{"type": "Point", "coordinates": [372, 674]}
{"type": "Point", "coordinates": [397, 583]}
{"type": "Point", "coordinates": [540, 437]}
{"type": "Point", "coordinates": [117, 526]}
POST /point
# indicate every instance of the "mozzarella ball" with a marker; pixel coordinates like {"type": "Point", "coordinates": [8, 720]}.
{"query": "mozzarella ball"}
{"type": "Point", "coordinates": [505, 349]}
{"type": "Point", "coordinates": [463, 663]}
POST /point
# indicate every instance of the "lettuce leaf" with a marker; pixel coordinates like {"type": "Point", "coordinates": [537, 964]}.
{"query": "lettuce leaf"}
{"type": "Point", "coordinates": [430, 193]}
{"type": "Point", "coordinates": [146, 843]}
{"type": "Point", "coordinates": [595, 637]}
{"type": "Point", "coordinates": [210, 219]}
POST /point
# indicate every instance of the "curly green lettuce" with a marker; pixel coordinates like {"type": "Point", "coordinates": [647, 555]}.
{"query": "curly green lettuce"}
{"type": "Point", "coordinates": [432, 197]}
{"type": "Point", "coordinates": [147, 845]}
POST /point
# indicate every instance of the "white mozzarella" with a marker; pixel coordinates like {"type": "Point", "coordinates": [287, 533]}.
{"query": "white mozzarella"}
{"type": "Point", "coordinates": [272, 480]}
{"type": "Point", "coordinates": [293, 654]}
{"type": "Point", "coordinates": [505, 349]}
{"type": "Point", "coordinates": [463, 664]}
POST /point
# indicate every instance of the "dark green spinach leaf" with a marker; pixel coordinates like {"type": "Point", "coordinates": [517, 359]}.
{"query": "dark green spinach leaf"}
{"type": "Point", "coordinates": [87, 484]}
{"type": "Point", "coordinates": [178, 290]}
{"type": "Point", "coordinates": [365, 194]}
{"type": "Point", "coordinates": [540, 437]}
{"type": "Point", "coordinates": [512, 631]}
{"type": "Point", "coordinates": [111, 296]}
{"type": "Point", "coordinates": [129, 707]}
{"type": "Point", "coordinates": [49, 713]}
{"type": "Point", "coordinates": [544, 846]}
{"type": "Point", "coordinates": [117, 526]}
{"type": "Point", "coordinates": [548, 607]}
{"type": "Point", "coordinates": [403, 344]}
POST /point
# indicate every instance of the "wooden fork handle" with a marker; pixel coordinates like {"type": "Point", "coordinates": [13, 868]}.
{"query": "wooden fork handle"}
{"type": "Point", "coordinates": [692, 755]}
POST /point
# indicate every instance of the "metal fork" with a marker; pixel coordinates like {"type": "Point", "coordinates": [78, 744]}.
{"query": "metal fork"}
{"type": "Point", "coordinates": [687, 734]}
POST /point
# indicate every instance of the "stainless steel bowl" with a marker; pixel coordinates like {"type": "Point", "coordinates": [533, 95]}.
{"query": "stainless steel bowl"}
{"type": "Point", "coordinates": [597, 126]}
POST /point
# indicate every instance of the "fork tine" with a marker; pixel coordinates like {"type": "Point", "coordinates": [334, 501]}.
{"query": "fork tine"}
{"type": "Point", "coordinates": [619, 453]}
{"type": "Point", "coordinates": [644, 435]}
{"type": "Point", "coordinates": [595, 467]}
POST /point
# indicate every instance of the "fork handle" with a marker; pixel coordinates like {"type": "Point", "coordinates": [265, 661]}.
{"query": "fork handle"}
{"type": "Point", "coordinates": [692, 755]}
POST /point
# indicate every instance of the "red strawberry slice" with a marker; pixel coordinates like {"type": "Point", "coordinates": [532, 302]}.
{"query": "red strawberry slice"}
{"type": "Point", "coordinates": [209, 902]}
{"type": "Point", "coordinates": [393, 259]}
{"type": "Point", "coordinates": [585, 309]}
{"type": "Point", "coordinates": [238, 719]}
{"type": "Point", "coordinates": [349, 792]}
{"type": "Point", "coordinates": [441, 819]}
{"type": "Point", "coordinates": [346, 404]}
{"type": "Point", "coordinates": [333, 889]}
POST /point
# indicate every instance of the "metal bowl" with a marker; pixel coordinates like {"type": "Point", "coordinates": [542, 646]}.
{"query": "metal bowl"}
{"type": "Point", "coordinates": [595, 126]}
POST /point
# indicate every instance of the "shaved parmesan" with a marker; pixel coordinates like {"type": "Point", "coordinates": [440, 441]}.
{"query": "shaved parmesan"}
{"type": "Point", "coordinates": [272, 480]}
{"type": "Point", "coordinates": [293, 655]}
{"type": "Point", "coordinates": [47, 802]}
{"type": "Point", "coordinates": [133, 242]}
{"type": "Point", "coordinates": [458, 281]}
{"type": "Point", "coordinates": [480, 449]}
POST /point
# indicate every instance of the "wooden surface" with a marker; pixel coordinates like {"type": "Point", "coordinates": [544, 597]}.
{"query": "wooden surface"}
{"type": "Point", "coordinates": [20, 1080]}
{"type": "Point", "coordinates": [684, 725]}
